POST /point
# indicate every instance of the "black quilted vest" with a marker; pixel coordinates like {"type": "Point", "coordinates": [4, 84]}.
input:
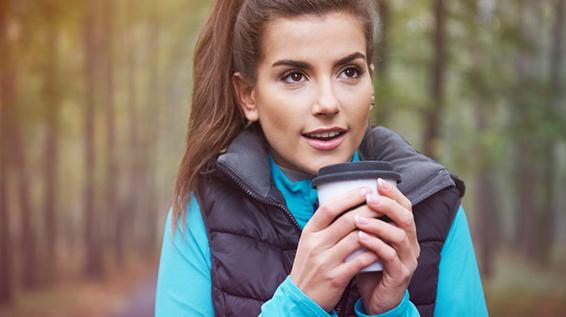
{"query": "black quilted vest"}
{"type": "Point", "coordinates": [253, 236]}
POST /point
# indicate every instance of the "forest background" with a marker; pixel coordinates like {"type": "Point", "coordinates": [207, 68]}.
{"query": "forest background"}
{"type": "Point", "coordinates": [93, 106]}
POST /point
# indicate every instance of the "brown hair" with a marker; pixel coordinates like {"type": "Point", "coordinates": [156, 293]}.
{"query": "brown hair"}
{"type": "Point", "coordinates": [231, 42]}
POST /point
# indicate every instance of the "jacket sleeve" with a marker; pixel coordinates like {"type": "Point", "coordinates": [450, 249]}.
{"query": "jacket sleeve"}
{"type": "Point", "coordinates": [460, 290]}
{"type": "Point", "coordinates": [404, 309]}
{"type": "Point", "coordinates": [184, 285]}
{"type": "Point", "coordinates": [183, 281]}
{"type": "Point", "coordinates": [289, 300]}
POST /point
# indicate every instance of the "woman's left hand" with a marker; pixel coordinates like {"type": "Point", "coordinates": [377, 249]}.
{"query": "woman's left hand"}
{"type": "Point", "coordinates": [395, 244]}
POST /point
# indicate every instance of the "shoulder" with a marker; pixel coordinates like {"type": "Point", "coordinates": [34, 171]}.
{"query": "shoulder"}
{"type": "Point", "coordinates": [421, 176]}
{"type": "Point", "coordinates": [434, 216]}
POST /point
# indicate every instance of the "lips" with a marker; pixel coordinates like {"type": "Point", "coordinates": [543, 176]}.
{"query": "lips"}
{"type": "Point", "coordinates": [325, 139]}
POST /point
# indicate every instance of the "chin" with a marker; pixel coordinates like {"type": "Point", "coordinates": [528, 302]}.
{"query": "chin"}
{"type": "Point", "coordinates": [323, 162]}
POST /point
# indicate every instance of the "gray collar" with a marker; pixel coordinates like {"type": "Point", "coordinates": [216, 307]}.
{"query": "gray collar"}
{"type": "Point", "coordinates": [421, 177]}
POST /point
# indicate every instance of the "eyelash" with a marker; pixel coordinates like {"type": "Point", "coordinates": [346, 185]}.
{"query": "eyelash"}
{"type": "Point", "coordinates": [359, 70]}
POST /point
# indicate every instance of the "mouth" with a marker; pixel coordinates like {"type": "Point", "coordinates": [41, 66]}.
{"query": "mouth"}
{"type": "Point", "coordinates": [325, 139]}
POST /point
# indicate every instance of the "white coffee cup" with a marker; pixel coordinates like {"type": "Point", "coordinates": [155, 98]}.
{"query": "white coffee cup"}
{"type": "Point", "coordinates": [338, 179]}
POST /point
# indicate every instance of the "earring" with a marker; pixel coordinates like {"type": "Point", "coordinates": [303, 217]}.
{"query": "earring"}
{"type": "Point", "coordinates": [372, 102]}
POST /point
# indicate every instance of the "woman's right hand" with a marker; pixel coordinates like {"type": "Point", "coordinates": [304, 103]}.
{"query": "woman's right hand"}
{"type": "Point", "coordinates": [327, 239]}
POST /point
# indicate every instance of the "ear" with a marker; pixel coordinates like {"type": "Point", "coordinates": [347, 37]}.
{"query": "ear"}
{"type": "Point", "coordinates": [372, 69]}
{"type": "Point", "coordinates": [246, 96]}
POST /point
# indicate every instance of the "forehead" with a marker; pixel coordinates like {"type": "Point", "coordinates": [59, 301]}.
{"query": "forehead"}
{"type": "Point", "coordinates": [307, 37]}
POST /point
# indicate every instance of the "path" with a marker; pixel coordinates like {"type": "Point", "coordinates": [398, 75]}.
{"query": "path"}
{"type": "Point", "coordinates": [142, 300]}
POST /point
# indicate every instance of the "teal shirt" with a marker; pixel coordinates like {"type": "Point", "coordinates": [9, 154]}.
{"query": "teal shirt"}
{"type": "Point", "coordinates": [184, 281]}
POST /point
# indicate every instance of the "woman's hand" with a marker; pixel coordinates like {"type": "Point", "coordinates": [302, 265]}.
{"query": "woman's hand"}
{"type": "Point", "coordinates": [328, 238]}
{"type": "Point", "coordinates": [396, 246]}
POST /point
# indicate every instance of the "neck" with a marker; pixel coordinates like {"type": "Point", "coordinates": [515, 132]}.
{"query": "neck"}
{"type": "Point", "coordinates": [294, 175]}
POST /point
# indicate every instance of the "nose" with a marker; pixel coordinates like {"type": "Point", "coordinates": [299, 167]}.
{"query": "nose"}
{"type": "Point", "coordinates": [326, 103]}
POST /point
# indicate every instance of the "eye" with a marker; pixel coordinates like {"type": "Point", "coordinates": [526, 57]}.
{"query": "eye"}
{"type": "Point", "coordinates": [293, 77]}
{"type": "Point", "coordinates": [352, 72]}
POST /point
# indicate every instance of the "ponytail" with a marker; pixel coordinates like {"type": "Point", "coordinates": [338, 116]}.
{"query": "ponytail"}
{"type": "Point", "coordinates": [215, 118]}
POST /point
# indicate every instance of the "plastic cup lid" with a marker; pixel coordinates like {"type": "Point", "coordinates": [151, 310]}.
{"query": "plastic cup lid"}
{"type": "Point", "coordinates": [356, 170]}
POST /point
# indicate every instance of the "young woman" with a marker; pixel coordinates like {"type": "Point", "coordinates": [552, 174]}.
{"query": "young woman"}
{"type": "Point", "coordinates": [281, 89]}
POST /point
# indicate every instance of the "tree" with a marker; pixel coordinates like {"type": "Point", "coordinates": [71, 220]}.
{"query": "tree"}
{"type": "Point", "coordinates": [6, 97]}
{"type": "Point", "coordinates": [549, 208]}
{"type": "Point", "coordinates": [16, 120]}
{"type": "Point", "coordinates": [382, 62]}
{"type": "Point", "coordinates": [112, 171]}
{"type": "Point", "coordinates": [151, 135]}
{"type": "Point", "coordinates": [93, 256]}
{"type": "Point", "coordinates": [524, 127]}
{"type": "Point", "coordinates": [433, 116]}
{"type": "Point", "coordinates": [51, 144]}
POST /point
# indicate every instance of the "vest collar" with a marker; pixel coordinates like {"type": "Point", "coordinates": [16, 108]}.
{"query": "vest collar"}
{"type": "Point", "coordinates": [421, 176]}
{"type": "Point", "coordinates": [247, 159]}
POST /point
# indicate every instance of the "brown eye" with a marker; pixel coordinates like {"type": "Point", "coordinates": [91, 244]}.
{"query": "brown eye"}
{"type": "Point", "coordinates": [294, 77]}
{"type": "Point", "coordinates": [351, 72]}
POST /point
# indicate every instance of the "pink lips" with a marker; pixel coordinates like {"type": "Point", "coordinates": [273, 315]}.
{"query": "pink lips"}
{"type": "Point", "coordinates": [326, 145]}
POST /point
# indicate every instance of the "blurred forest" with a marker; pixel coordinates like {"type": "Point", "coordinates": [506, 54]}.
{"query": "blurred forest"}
{"type": "Point", "coordinates": [93, 106]}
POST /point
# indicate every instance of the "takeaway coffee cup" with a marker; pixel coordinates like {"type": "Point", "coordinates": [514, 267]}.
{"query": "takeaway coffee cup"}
{"type": "Point", "coordinates": [337, 179]}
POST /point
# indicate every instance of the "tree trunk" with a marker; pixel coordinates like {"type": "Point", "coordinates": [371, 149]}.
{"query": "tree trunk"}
{"type": "Point", "coordinates": [51, 146]}
{"type": "Point", "coordinates": [486, 199]}
{"type": "Point", "coordinates": [28, 235]}
{"type": "Point", "coordinates": [150, 139]}
{"type": "Point", "coordinates": [549, 216]}
{"type": "Point", "coordinates": [525, 176]}
{"type": "Point", "coordinates": [93, 256]}
{"type": "Point", "coordinates": [382, 64]}
{"type": "Point", "coordinates": [30, 278]}
{"type": "Point", "coordinates": [127, 209]}
{"type": "Point", "coordinates": [485, 196]}
{"type": "Point", "coordinates": [6, 97]}
{"type": "Point", "coordinates": [112, 171]}
{"type": "Point", "coordinates": [433, 116]}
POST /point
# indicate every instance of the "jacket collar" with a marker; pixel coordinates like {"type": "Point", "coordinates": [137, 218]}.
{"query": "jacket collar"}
{"type": "Point", "coordinates": [421, 176]}
{"type": "Point", "coordinates": [247, 159]}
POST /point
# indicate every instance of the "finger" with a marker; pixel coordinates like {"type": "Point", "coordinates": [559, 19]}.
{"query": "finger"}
{"type": "Point", "coordinates": [345, 224]}
{"type": "Point", "coordinates": [388, 190]}
{"type": "Point", "coordinates": [387, 255]}
{"type": "Point", "coordinates": [402, 217]}
{"type": "Point", "coordinates": [343, 248]}
{"type": "Point", "coordinates": [349, 269]}
{"type": "Point", "coordinates": [391, 234]}
{"type": "Point", "coordinates": [326, 213]}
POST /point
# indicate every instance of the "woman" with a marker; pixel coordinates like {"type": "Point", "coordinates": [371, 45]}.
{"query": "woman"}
{"type": "Point", "coordinates": [283, 88]}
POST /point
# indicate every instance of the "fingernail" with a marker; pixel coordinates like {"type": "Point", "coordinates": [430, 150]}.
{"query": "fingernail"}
{"type": "Point", "coordinates": [373, 199]}
{"type": "Point", "coordinates": [365, 191]}
{"type": "Point", "coordinates": [361, 220]}
{"type": "Point", "coordinates": [362, 235]}
{"type": "Point", "coordinates": [383, 184]}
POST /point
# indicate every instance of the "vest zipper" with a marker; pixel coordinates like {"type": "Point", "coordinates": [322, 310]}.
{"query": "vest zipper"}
{"type": "Point", "coordinates": [230, 174]}
{"type": "Point", "coordinates": [343, 302]}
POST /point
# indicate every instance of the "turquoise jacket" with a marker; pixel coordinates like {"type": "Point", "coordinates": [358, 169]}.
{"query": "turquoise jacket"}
{"type": "Point", "coordinates": [184, 285]}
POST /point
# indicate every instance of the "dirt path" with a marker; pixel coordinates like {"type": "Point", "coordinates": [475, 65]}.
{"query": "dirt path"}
{"type": "Point", "coordinates": [142, 301]}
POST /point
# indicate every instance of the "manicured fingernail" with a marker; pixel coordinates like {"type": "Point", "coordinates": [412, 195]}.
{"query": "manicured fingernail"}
{"type": "Point", "coordinates": [383, 184]}
{"type": "Point", "coordinates": [365, 191]}
{"type": "Point", "coordinates": [361, 220]}
{"type": "Point", "coordinates": [373, 199]}
{"type": "Point", "coordinates": [363, 235]}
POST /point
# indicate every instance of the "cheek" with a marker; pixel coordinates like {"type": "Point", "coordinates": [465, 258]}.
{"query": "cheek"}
{"type": "Point", "coordinates": [279, 108]}
{"type": "Point", "coordinates": [357, 104]}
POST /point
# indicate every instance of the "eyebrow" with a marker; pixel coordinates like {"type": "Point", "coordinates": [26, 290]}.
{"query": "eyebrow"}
{"type": "Point", "coordinates": [303, 65]}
